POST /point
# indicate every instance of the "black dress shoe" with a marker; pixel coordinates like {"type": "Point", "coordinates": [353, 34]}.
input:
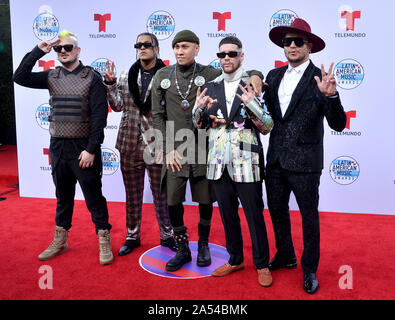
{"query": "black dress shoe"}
{"type": "Point", "coordinates": [278, 263]}
{"type": "Point", "coordinates": [128, 247]}
{"type": "Point", "coordinates": [310, 283]}
{"type": "Point", "coordinates": [169, 243]}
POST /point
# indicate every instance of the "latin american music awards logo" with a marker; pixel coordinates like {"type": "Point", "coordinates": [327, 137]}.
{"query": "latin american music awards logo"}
{"type": "Point", "coordinates": [161, 24]}
{"type": "Point", "coordinates": [45, 25]}
{"type": "Point", "coordinates": [344, 170]}
{"type": "Point", "coordinates": [100, 65]}
{"type": "Point", "coordinates": [348, 73]}
{"type": "Point", "coordinates": [282, 17]}
{"type": "Point", "coordinates": [110, 161]}
{"type": "Point", "coordinates": [216, 64]}
{"type": "Point", "coordinates": [42, 115]}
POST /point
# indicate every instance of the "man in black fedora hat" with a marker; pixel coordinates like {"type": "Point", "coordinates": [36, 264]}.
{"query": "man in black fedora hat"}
{"type": "Point", "coordinates": [298, 97]}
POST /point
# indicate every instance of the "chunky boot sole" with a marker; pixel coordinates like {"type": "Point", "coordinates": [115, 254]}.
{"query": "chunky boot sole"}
{"type": "Point", "coordinates": [103, 263]}
{"type": "Point", "coordinates": [66, 248]}
{"type": "Point", "coordinates": [178, 266]}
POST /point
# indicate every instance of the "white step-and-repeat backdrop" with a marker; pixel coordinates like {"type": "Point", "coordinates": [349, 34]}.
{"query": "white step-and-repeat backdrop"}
{"type": "Point", "coordinates": [359, 173]}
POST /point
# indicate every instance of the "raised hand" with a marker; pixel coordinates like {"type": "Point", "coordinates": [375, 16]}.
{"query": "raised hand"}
{"type": "Point", "coordinates": [46, 46]}
{"type": "Point", "coordinates": [109, 74]}
{"type": "Point", "coordinates": [248, 95]}
{"type": "Point", "coordinates": [327, 84]}
{"type": "Point", "coordinates": [201, 98]}
{"type": "Point", "coordinates": [256, 84]}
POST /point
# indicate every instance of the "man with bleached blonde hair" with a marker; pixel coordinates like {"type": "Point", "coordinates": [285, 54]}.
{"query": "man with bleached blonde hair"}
{"type": "Point", "coordinates": [77, 119]}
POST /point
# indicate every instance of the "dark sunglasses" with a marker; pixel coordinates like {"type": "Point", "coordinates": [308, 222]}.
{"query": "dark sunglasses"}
{"type": "Point", "coordinates": [66, 47]}
{"type": "Point", "coordinates": [299, 42]}
{"type": "Point", "coordinates": [231, 54]}
{"type": "Point", "coordinates": [146, 45]}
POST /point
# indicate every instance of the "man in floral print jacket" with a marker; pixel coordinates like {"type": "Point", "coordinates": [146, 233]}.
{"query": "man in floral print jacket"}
{"type": "Point", "coordinates": [235, 119]}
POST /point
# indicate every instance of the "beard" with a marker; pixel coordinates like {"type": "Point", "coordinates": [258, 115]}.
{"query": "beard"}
{"type": "Point", "coordinates": [234, 67]}
{"type": "Point", "coordinates": [295, 61]}
{"type": "Point", "coordinates": [69, 63]}
{"type": "Point", "coordinates": [298, 60]}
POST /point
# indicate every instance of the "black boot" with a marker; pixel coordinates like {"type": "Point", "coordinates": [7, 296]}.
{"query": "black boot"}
{"type": "Point", "coordinates": [203, 257]}
{"type": "Point", "coordinates": [128, 246]}
{"type": "Point", "coordinates": [183, 255]}
{"type": "Point", "coordinates": [169, 243]}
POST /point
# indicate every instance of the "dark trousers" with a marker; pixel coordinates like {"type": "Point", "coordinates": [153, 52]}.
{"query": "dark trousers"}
{"type": "Point", "coordinates": [65, 175]}
{"type": "Point", "coordinates": [227, 193]}
{"type": "Point", "coordinates": [279, 184]}
{"type": "Point", "coordinates": [133, 170]}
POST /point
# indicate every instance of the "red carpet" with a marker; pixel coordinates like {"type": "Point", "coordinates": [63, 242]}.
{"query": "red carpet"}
{"type": "Point", "coordinates": [364, 242]}
{"type": "Point", "coordinates": [8, 166]}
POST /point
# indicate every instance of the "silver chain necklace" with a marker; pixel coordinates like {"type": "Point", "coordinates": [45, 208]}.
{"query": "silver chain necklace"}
{"type": "Point", "coordinates": [184, 102]}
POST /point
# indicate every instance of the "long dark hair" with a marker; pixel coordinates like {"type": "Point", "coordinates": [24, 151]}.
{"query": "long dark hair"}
{"type": "Point", "coordinates": [154, 40]}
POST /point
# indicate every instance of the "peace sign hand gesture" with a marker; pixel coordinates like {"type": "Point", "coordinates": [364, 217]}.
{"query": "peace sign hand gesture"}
{"type": "Point", "coordinates": [109, 75]}
{"type": "Point", "coordinates": [328, 83]}
{"type": "Point", "coordinates": [248, 95]}
{"type": "Point", "coordinates": [202, 99]}
{"type": "Point", "coordinates": [46, 46]}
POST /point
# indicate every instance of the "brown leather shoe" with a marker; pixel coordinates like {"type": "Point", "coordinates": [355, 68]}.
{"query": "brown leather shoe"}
{"type": "Point", "coordinates": [264, 277]}
{"type": "Point", "coordinates": [227, 269]}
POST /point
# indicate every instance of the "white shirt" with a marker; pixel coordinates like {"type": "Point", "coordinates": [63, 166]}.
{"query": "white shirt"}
{"type": "Point", "coordinates": [231, 83]}
{"type": "Point", "coordinates": [288, 84]}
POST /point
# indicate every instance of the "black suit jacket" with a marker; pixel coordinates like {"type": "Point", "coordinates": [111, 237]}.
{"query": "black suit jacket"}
{"type": "Point", "coordinates": [296, 140]}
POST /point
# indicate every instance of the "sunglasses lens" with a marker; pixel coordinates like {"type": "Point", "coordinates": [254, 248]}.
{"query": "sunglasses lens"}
{"type": "Point", "coordinates": [299, 42]}
{"type": "Point", "coordinates": [66, 47]}
{"type": "Point", "coordinates": [231, 54]}
{"type": "Point", "coordinates": [139, 45]}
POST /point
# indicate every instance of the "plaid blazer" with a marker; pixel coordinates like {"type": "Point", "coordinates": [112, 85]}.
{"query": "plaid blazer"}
{"type": "Point", "coordinates": [119, 99]}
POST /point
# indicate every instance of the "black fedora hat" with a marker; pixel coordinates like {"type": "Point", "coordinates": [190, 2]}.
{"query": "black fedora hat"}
{"type": "Point", "coordinates": [298, 26]}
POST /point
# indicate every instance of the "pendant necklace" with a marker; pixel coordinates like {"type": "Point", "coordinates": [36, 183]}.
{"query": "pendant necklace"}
{"type": "Point", "coordinates": [184, 102]}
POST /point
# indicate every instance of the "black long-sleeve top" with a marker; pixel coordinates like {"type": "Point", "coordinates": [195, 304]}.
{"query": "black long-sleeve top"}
{"type": "Point", "coordinates": [66, 147]}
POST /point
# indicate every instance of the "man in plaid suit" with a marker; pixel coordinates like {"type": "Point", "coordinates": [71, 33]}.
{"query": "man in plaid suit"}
{"type": "Point", "coordinates": [132, 96]}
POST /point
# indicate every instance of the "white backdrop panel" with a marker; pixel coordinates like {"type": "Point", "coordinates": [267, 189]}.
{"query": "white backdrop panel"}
{"type": "Point", "coordinates": [368, 140]}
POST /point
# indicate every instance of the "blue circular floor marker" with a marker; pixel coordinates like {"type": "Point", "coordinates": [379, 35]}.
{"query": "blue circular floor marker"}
{"type": "Point", "coordinates": [154, 261]}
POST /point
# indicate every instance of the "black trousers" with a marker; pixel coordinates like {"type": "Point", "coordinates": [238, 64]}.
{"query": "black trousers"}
{"type": "Point", "coordinates": [279, 185]}
{"type": "Point", "coordinates": [65, 174]}
{"type": "Point", "coordinates": [227, 193]}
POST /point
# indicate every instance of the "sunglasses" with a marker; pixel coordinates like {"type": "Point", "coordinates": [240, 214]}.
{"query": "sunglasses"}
{"type": "Point", "coordinates": [230, 54]}
{"type": "Point", "coordinates": [146, 45]}
{"type": "Point", "coordinates": [299, 42]}
{"type": "Point", "coordinates": [66, 47]}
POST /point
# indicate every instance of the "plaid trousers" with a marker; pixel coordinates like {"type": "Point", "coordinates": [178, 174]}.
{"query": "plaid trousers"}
{"type": "Point", "coordinates": [133, 171]}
